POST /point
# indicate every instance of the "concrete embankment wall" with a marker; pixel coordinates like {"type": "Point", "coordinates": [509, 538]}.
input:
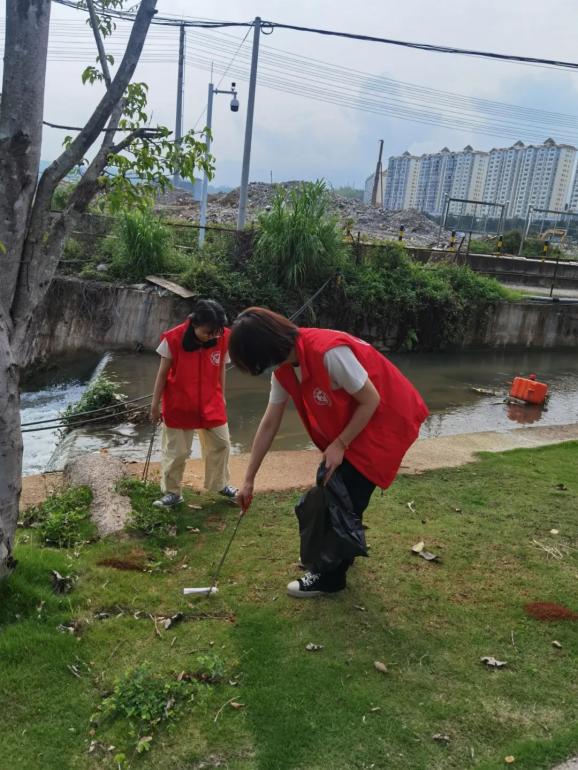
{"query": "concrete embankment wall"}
{"type": "Point", "coordinates": [509, 269]}
{"type": "Point", "coordinates": [526, 272]}
{"type": "Point", "coordinates": [88, 315]}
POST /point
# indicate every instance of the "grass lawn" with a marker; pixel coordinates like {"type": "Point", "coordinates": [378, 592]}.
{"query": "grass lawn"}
{"type": "Point", "coordinates": [429, 623]}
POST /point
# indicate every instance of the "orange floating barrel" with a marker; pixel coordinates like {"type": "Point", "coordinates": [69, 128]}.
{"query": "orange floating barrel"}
{"type": "Point", "coordinates": [528, 389]}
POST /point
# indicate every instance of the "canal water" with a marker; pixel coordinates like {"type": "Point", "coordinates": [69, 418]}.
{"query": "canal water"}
{"type": "Point", "coordinates": [454, 386]}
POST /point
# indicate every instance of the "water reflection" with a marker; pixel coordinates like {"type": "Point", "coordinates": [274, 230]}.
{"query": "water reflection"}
{"type": "Point", "coordinates": [526, 414]}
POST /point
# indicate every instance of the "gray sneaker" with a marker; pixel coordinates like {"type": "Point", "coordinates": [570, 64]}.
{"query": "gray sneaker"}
{"type": "Point", "coordinates": [229, 492]}
{"type": "Point", "coordinates": [169, 500]}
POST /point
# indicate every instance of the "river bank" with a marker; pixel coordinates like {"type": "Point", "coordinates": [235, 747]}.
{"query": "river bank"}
{"type": "Point", "coordinates": [82, 315]}
{"type": "Point", "coordinates": [288, 470]}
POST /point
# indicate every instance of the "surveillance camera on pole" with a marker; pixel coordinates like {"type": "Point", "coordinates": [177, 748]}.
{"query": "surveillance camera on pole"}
{"type": "Point", "coordinates": [205, 189]}
{"type": "Point", "coordinates": [234, 101]}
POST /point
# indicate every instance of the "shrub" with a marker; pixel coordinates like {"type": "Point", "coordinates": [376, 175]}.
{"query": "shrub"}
{"type": "Point", "coordinates": [63, 519]}
{"type": "Point", "coordinates": [102, 392]}
{"type": "Point", "coordinates": [73, 251]}
{"type": "Point", "coordinates": [298, 241]}
{"type": "Point", "coordinates": [61, 195]}
{"type": "Point", "coordinates": [429, 305]}
{"type": "Point", "coordinates": [144, 247]}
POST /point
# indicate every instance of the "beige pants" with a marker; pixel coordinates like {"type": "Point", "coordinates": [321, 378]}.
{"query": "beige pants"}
{"type": "Point", "coordinates": [215, 449]}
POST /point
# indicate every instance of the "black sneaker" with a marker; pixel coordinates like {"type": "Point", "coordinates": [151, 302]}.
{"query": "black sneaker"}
{"type": "Point", "coordinates": [314, 584]}
{"type": "Point", "coordinates": [169, 500]}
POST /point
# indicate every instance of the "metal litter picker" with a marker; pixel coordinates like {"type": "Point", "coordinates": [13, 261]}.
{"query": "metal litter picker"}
{"type": "Point", "coordinates": [212, 589]}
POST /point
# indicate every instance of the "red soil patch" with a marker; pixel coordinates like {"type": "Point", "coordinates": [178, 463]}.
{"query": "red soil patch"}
{"type": "Point", "coordinates": [549, 611]}
{"type": "Point", "coordinates": [134, 561]}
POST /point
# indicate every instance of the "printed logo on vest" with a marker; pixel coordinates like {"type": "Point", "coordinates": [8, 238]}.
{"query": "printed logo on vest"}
{"type": "Point", "coordinates": [321, 397]}
{"type": "Point", "coordinates": [216, 358]}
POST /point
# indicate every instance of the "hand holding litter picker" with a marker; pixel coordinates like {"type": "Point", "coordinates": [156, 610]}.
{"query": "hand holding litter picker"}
{"type": "Point", "coordinates": [245, 497]}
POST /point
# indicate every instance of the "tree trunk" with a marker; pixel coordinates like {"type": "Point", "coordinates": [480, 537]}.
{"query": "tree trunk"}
{"type": "Point", "coordinates": [26, 45]}
{"type": "Point", "coordinates": [30, 239]}
{"type": "Point", "coordinates": [10, 452]}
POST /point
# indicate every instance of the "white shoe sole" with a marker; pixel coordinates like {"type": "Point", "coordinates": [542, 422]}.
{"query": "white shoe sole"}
{"type": "Point", "coordinates": [298, 594]}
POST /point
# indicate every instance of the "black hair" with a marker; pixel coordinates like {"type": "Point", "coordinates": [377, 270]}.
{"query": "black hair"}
{"type": "Point", "coordinates": [261, 338]}
{"type": "Point", "coordinates": [209, 313]}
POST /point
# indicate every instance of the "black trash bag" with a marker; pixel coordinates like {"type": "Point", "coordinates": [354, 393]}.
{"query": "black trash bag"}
{"type": "Point", "coordinates": [330, 530]}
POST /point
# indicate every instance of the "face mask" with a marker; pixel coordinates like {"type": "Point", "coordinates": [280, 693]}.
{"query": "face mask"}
{"type": "Point", "coordinates": [191, 342]}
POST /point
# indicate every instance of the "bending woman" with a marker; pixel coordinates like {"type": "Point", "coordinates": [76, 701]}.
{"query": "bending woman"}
{"type": "Point", "coordinates": [357, 407]}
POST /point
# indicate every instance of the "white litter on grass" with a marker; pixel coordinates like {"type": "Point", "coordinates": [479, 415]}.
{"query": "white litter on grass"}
{"type": "Point", "coordinates": [198, 591]}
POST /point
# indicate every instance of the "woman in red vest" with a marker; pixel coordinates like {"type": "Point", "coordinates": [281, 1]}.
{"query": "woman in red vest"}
{"type": "Point", "coordinates": [191, 383]}
{"type": "Point", "coordinates": [357, 407]}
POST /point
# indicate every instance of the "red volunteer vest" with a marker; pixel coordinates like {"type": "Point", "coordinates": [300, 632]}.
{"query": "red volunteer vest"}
{"type": "Point", "coordinates": [193, 394]}
{"type": "Point", "coordinates": [378, 450]}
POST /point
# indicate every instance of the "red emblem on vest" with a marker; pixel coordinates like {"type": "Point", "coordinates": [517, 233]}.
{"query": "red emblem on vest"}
{"type": "Point", "coordinates": [321, 397]}
{"type": "Point", "coordinates": [216, 358]}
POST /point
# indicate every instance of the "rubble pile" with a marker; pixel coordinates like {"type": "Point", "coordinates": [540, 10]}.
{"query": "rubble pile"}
{"type": "Point", "coordinates": [356, 217]}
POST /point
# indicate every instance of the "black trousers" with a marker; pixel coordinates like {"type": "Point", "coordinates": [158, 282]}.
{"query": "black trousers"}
{"type": "Point", "coordinates": [360, 490]}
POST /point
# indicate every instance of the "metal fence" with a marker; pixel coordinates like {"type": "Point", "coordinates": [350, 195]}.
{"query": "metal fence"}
{"type": "Point", "coordinates": [96, 227]}
{"type": "Point", "coordinates": [464, 217]}
{"type": "Point", "coordinates": [557, 231]}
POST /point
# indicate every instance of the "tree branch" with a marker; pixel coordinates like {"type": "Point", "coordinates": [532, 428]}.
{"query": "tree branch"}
{"type": "Point", "coordinates": [99, 43]}
{"type": "Point", "coordinates": [138, 133]}
{"type": "Point", "coordinates": [79, 128]}
{"type": "Point", "coordinates": [78, 147]}
{"type": "Point", "coordinates": [37, 265]}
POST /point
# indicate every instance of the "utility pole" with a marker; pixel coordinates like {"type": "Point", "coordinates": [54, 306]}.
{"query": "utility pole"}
{"type": "Point", "coordinates": [180, 89]}
{"type": "Point", "coordinates": [377, 185]}
{"type": "Point", "coordinates": [205, 188]}
{"type": "Point", "coordinates": [249, 125]}
{"type": "Point", "coordinates": [204, 191]}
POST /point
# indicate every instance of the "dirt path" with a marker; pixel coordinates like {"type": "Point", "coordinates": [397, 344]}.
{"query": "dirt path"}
{"type": "Point", "coordinates": [295, 470]}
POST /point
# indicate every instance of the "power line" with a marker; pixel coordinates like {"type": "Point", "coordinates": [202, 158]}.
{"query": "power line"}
{"type": "Point", "coordinates": [342, 86]}
{"type": "Point", "coordinates": [272, 25]}
{"type": "Point", "coordinates": [382, 108]}
{"type": "Point", "coordinates": [397, 91]}
{"type": "Point", "coordinates": [236, 53]}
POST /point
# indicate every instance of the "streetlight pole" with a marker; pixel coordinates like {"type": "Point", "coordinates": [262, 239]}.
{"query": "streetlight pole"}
{"type": "Point", "coordinates": [249, 126]}
{"type": "Point", "coordinates": [205, 187]}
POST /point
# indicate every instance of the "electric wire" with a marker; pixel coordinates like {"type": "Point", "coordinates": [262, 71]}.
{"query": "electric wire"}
{"type": "Point", "coordinates": [229, 44]}
{"type": "Point", "coordinates": [235, 54]}
{"type": "Point", "coordinates": [272, 25]}
{"type": "Point", "coordinates": [426, 105]}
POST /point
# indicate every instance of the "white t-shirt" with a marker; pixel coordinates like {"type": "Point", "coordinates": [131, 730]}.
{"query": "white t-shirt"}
{"type": "Point", "coordinates": [344, 369]}
{"type": "Point", "coordinates": [165, 351]}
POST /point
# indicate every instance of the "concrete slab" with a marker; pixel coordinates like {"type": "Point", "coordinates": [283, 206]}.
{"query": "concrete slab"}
{"type": "Point", "coordinates": [571, 764]}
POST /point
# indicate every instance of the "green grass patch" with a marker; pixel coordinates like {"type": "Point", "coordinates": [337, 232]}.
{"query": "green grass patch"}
{"type": "Point", "coordinates": [63, 519]}
{"type": "Point", "coordinates": [242, 690]}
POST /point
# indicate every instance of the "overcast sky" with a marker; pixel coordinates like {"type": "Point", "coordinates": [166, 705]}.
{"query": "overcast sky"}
{"type": "Point", "coordinates": [301, 138]}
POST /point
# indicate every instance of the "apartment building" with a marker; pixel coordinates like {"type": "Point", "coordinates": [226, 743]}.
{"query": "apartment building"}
{"type": "Point", "coordinates": [402, 182]}
{"type": "Point", "coordinates": [368, 188]}
{"type": "Point", "coordinates": [520, 176]}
